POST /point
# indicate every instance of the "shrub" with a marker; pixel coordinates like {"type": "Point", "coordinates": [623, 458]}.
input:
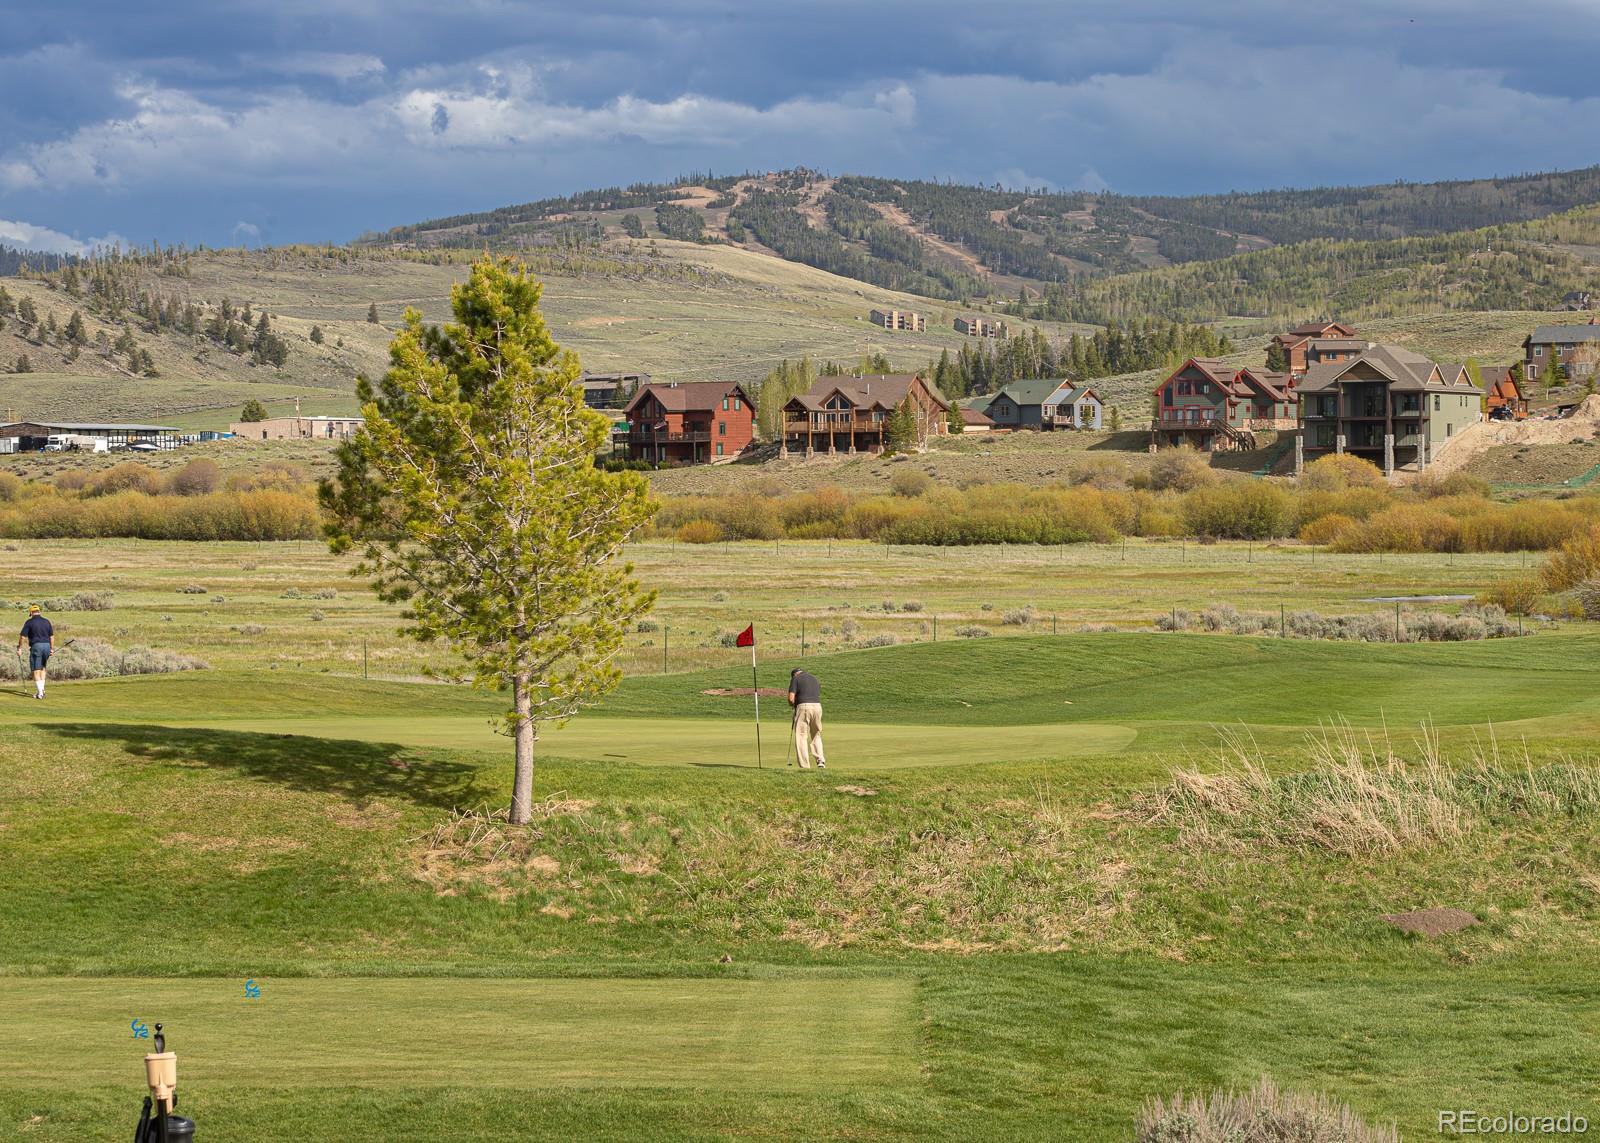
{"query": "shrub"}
{"type": "Point", "coordinates": [909, 482]}
{"type": "Point", "coordinates": [700, 532]}
{"type": "Point", "coordinates": [1519, 595]}
{"type": "Point", "coordinates": [912, 605]}
{"type": "Point", "coordinates": [1262, 1115]}
{"type": "Point", "coordinates": [1533, 525]}
{"type": "Point", "coordinates": [196, 478]}
{"type": "Point", "coordinates": [849, 629]}
{"type": "Point", "coordinates": [317, 616]}
{"type": "Point", "coordinates": [883, 639]}
{"type": "Point", "coordinates": [972, 631]}
{"type": "Point", "coordinates": [1021, 617]}
{"type": "Point", "coordinates": [191, 589]}
{"type": "Point", "coordinates": [1179, 469]}
{"type": "Point", "coordinates": [90, 658]}
{"type": "Point", "coordinates": [1432, 486]}
{"type": "Point", "coordinates": [323, 593]}
{"type": "Point", "coordinates": [1576, 560]}
{"type": "Point", "coordinates": [1240, 510]}
{"type": "Point", "coordinates": [250, 629]}
{"type": "Point", "coordinates": [645, 626]}
{"type": "Point", "coordinates": [291, 593]}
{"type": "Point", "coordinates": [129, 476]}
{"type": "Point", "coordinates": [749, 517]}
{"type": "Point", "coordinates": [1340, 471]}
{"type": "Point", "coordinates": [1403, 528]}
{"type": "Point", "coordinates": [1326, 529]}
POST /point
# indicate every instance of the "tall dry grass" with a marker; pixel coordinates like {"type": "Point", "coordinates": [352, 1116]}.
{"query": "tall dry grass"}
{"type": "Point", "coordinates": [1264, 1114]}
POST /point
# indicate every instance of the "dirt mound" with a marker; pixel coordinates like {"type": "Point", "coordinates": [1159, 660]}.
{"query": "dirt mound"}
{"type": "Point", "coordinates": [745, 692]}
{"type": "Point", "coordinates": [1431, 922]}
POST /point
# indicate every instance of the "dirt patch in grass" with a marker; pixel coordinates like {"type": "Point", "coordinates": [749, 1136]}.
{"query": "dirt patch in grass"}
{"type": "Point", "coordinates": [744, 692]}
{"type": "Point", "coordinates": [1431, 922]}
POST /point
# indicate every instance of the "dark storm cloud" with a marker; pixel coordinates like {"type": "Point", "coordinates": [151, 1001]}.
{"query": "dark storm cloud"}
{"type": "Point", "coordinates": [320, 118]}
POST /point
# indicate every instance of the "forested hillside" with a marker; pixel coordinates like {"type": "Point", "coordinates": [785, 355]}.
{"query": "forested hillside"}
{"type": "Point", "coordinates": [963, 242]}
{"type": "Point", "coordinates": [1525, 266]}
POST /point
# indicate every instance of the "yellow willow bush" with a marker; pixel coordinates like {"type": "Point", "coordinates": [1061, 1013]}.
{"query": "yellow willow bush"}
{"type": "Point", "coordinates": [1402, 528]}
{"type": "Point", "coordinates": [1577, 560]}
{"type": "Point", "coordinates": [265, 515]}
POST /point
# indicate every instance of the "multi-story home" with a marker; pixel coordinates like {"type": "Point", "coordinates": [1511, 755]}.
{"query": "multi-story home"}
{"type": "Point", "coordinates": [610, 390]}
{"type": "Point", "coordinates": [1306, 345]}
{"type": "Point", "coordinates": [1503, 399]}
{"type": "Point", "coordinates": [851, 414]}
{"type": "Point", "coordinates": [689, 422]}
{"type": "Point", "coordinates": [980, 326]}
{"type": "Point", "coordinates": [1388, 405]}
{"type": "Point", "coordinates": [1045, 404]}
{"type": "Point", "coordinates": [1216, 407]}
{"type": "Point", "coordinates": [906, 321]}
{"type": "Point", "coordinates": [1577, 347]}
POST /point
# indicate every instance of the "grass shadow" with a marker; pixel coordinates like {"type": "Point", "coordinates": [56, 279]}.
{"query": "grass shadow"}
{"type": "Point", "coordinates": [355, 770]}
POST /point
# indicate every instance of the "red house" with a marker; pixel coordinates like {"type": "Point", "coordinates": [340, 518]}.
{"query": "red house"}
{"type": "Point", "coordinates": [687, 422]}
{"type": "Point", "coordinates": [1215, 407]}
{"type": "Point", "coordinates": [1308, 345]}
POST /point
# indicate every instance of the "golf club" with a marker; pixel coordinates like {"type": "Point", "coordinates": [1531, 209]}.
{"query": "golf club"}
{"type": "Point", "coordinates": [788, 750]}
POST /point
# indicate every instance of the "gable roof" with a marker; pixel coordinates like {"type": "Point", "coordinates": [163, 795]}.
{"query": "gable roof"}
{"type": "Point", "coordinates": [1033, 391]}
{"type": "Point", "coordinates": [1563, 334]}
{"type": "Point", "coordinates": [880, 390]}
{"type": "Point", "coordinates": [1278, 386]}
{"type": "Point", "coordinates": [1406, 371]}
{"type": "Point", "coordinates": [1316, 329]}
{"type": "Point", "coordinates": [971, 416]}
{"type": "Point", "coordinates": [1079, 393]}
{"type": "Point", "coordinates": [689, 396]}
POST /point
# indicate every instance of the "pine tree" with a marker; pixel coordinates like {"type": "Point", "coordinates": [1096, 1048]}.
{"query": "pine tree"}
{"type": "Point", "coordinates": [23, 364]}
{"type": "Point", "coordinates": [1277, 357]}
{"type": "Point", "coordinates": [372, 313]}
{"type": "Point", "coordinates": [1115, 422]}
{"type": "Point", "coordinates": [253, 410]}
{"type": "Point", "coordinates": [75, 332]}
{"type": "Point", "coordinates": [901, 429]}
{"type": "Point", "coordinates": [26, 313]}
{"type": "Point", "coordinates": [316, 335]}
{"type": "Point", "coordinates": [472, 496]}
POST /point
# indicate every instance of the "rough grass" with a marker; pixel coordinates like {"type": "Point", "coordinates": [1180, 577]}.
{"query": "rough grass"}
{"type": "Point", "coordinates": [1360, 798]}
{"type": "Point", "coordinates": [1263, 1114]}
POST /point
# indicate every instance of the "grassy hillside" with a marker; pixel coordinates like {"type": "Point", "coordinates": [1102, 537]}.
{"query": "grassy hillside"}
{"type": "Point", "coordinates": [674, 309]}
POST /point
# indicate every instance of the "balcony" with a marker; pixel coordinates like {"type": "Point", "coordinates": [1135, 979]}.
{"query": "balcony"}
{"type": "Point", "coordinates": [648, 436]}
{"type": "Point", "coordinates": [1209, 421]}
{"type": "Point", "coordinates": [834, 423]}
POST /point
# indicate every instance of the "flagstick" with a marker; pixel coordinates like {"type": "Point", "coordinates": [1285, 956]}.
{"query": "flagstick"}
{"type": "Point", "coordinates": [755, 691]}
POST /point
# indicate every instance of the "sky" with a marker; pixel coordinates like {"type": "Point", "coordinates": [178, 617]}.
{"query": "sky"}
{"type": "Point", "coordinates": [225, 122]}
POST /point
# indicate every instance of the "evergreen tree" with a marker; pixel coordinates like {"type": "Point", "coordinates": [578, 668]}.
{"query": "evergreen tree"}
{"type": "Point", "coordinates": [372, 313]}
{"type": "Point", "coordinates": [75, 332]}
{"type": "Point", "coordinates": [316, 335]}
{"type": "Point", "coordinates": [632, 226]}
{"type": "Point", "coordinates": [23, 364]}
{"type": "Point", "coordinates": [7, 304]}
{"type": "Point", "coordinates": [1115, 420]}
{"type": "Point", "coordinates": [901, 429]}
{"type": "Point", "coordinates": [472, 496]}
{"type": "Point", "coordinates": [1277, 357]}
{"type": "Point", "coordinates": [26, 313]}
{"type": "Point", "coordinates": [253, 410]}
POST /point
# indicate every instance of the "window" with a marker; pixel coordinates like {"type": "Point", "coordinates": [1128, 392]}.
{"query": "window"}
{"type": "Point", "coordinates": [722, 428]}
{"type": "Point", "coordinates": [1532, 371]}
{"type": "Point", "coordinates": [719, 448]}
{"type": "Point", "coordinates": [1436, 402]}
{"type": "Point", "coordinates": [1449, 430]}
{"type": "Point", "coordinates": [1538, 351]}
{"type": "Point", "coordinates": [724, 404]}
{"type": "Point", "coordinates": [736, 405]}
{"type": "Point", "coordinates": [1166, 397]}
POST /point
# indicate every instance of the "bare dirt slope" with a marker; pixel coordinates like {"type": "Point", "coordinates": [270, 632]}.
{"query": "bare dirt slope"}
{"type": "Point", "coordinates": [1583, 424]}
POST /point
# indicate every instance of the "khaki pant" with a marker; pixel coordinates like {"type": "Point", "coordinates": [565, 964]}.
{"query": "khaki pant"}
{"type": "Point", "coordinates": [808, 734]}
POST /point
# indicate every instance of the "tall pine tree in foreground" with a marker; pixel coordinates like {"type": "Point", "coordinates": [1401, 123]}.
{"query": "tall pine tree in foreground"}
{"type": "Point", "coordinates": [473, 498]}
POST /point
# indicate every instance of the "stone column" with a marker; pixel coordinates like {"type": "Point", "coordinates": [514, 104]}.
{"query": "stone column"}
{"type": "Point", "coordinates": [1338, 444]}
{"type": "Point", "coordinates": [1422, 451]}
{"type": "Point", "coordinates": [1388, 454]}
{"type": "Point", "coordinates": [1299, 453]}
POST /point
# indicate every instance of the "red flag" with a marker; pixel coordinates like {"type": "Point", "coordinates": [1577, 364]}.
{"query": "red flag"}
{"type": "Point", "coordinates": [747, 637]}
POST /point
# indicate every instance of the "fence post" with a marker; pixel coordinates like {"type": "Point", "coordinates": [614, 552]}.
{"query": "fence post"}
{"type": "Point", "coordinates": [664, 630]}
{"type": "Point", "coordinates": [363, 656]}
{"type": "Point", "coordinates": [802, 636]}
{"type": "Point", "coordinates": [1397, 621]}
{"type": "Point", "coordinates": [935, 628]}
{"type": "Point", "coordinates": [1283, 622]}
{"type": "Point", "coordinates": [1052, 624]}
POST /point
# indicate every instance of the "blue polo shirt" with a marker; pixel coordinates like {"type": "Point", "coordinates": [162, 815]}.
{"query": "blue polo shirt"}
{"type": "Point", "coordinates": [37, 629]}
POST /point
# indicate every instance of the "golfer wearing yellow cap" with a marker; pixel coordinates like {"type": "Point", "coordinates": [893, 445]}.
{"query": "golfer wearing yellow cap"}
{"type": "Point", "coordinates": [38, 638]}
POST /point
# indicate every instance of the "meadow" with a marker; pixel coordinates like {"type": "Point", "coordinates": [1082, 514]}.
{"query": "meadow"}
{"type": "Point", "coordinates": [1037, 883]}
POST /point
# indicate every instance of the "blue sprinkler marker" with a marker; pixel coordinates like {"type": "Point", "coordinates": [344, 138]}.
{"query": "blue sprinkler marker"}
{"type": "Point", "coordinates": [140, 1032]}
{"type": "Point", "coordinates": [252, 990]}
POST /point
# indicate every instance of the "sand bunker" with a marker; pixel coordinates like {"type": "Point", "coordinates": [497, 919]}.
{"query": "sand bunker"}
{"type": "Point", "coordinates": [745, 692]}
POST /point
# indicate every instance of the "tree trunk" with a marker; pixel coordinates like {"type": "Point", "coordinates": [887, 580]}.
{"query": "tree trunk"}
{"type": "Point", "coordinates": [522, 784]}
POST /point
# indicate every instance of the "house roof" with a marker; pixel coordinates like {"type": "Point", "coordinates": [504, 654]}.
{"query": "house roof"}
{"type": "Point", "coordinates": [1405, 370]}
{"type": "Point", "coordinates": [1500, 385]}
{"type": "Point", "coordinates": [1317, 329]}
{"type": "Point", "coordinates": [90, 427]}
{"type": "Point", "coordinates": [1278, 386]}
{"type": "Point", "coordinates": [1078, 393]}
{"type": "Point", "coordinates": [1338, 343]}
{"type": "Point", "coordinates": [1033, 391]}
{"type": "Point", "coordinates": [689, 396]}
{"type": "Point", "coordinates": [1238, 382]}
{"type": "Point", "coordinates": [971, 416]}
{"type": "Point", "coordinates": [1563, 334]}
{"type": "Point", "coordinates": [882, 390]}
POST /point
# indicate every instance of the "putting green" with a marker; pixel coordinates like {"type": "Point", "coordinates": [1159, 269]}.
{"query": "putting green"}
{"type": "Point", "coordinates": [721, 1034]}
{"type": "Point", "coordinates": [721, 742]}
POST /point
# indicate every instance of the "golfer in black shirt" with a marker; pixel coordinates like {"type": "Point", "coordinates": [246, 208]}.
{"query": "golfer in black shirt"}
{"type": "Point", "coordinates": [38, 638]}
{"type": "Point", "coordinates": [805, 695]}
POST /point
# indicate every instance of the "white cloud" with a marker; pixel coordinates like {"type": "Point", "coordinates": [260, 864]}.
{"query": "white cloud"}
{"type": "Point", "coordinates": [26, 236]}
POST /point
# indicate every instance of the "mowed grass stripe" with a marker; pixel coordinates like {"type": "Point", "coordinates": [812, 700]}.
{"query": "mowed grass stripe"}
{"type": "Point", "coordinates": [774, 1035]}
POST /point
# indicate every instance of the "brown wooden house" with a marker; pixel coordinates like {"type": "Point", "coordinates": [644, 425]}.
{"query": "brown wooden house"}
{"type": "Point", "coordinates": [1215, 407]}
{"type": "Point", "coordinates": [1307, 345]}
{"type": "Point", "coordinates": [851, 414]}
{"type": "Point", "coordinates": [1503, 398]}
{"type": "Point", "coordinates": [687, 422]}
